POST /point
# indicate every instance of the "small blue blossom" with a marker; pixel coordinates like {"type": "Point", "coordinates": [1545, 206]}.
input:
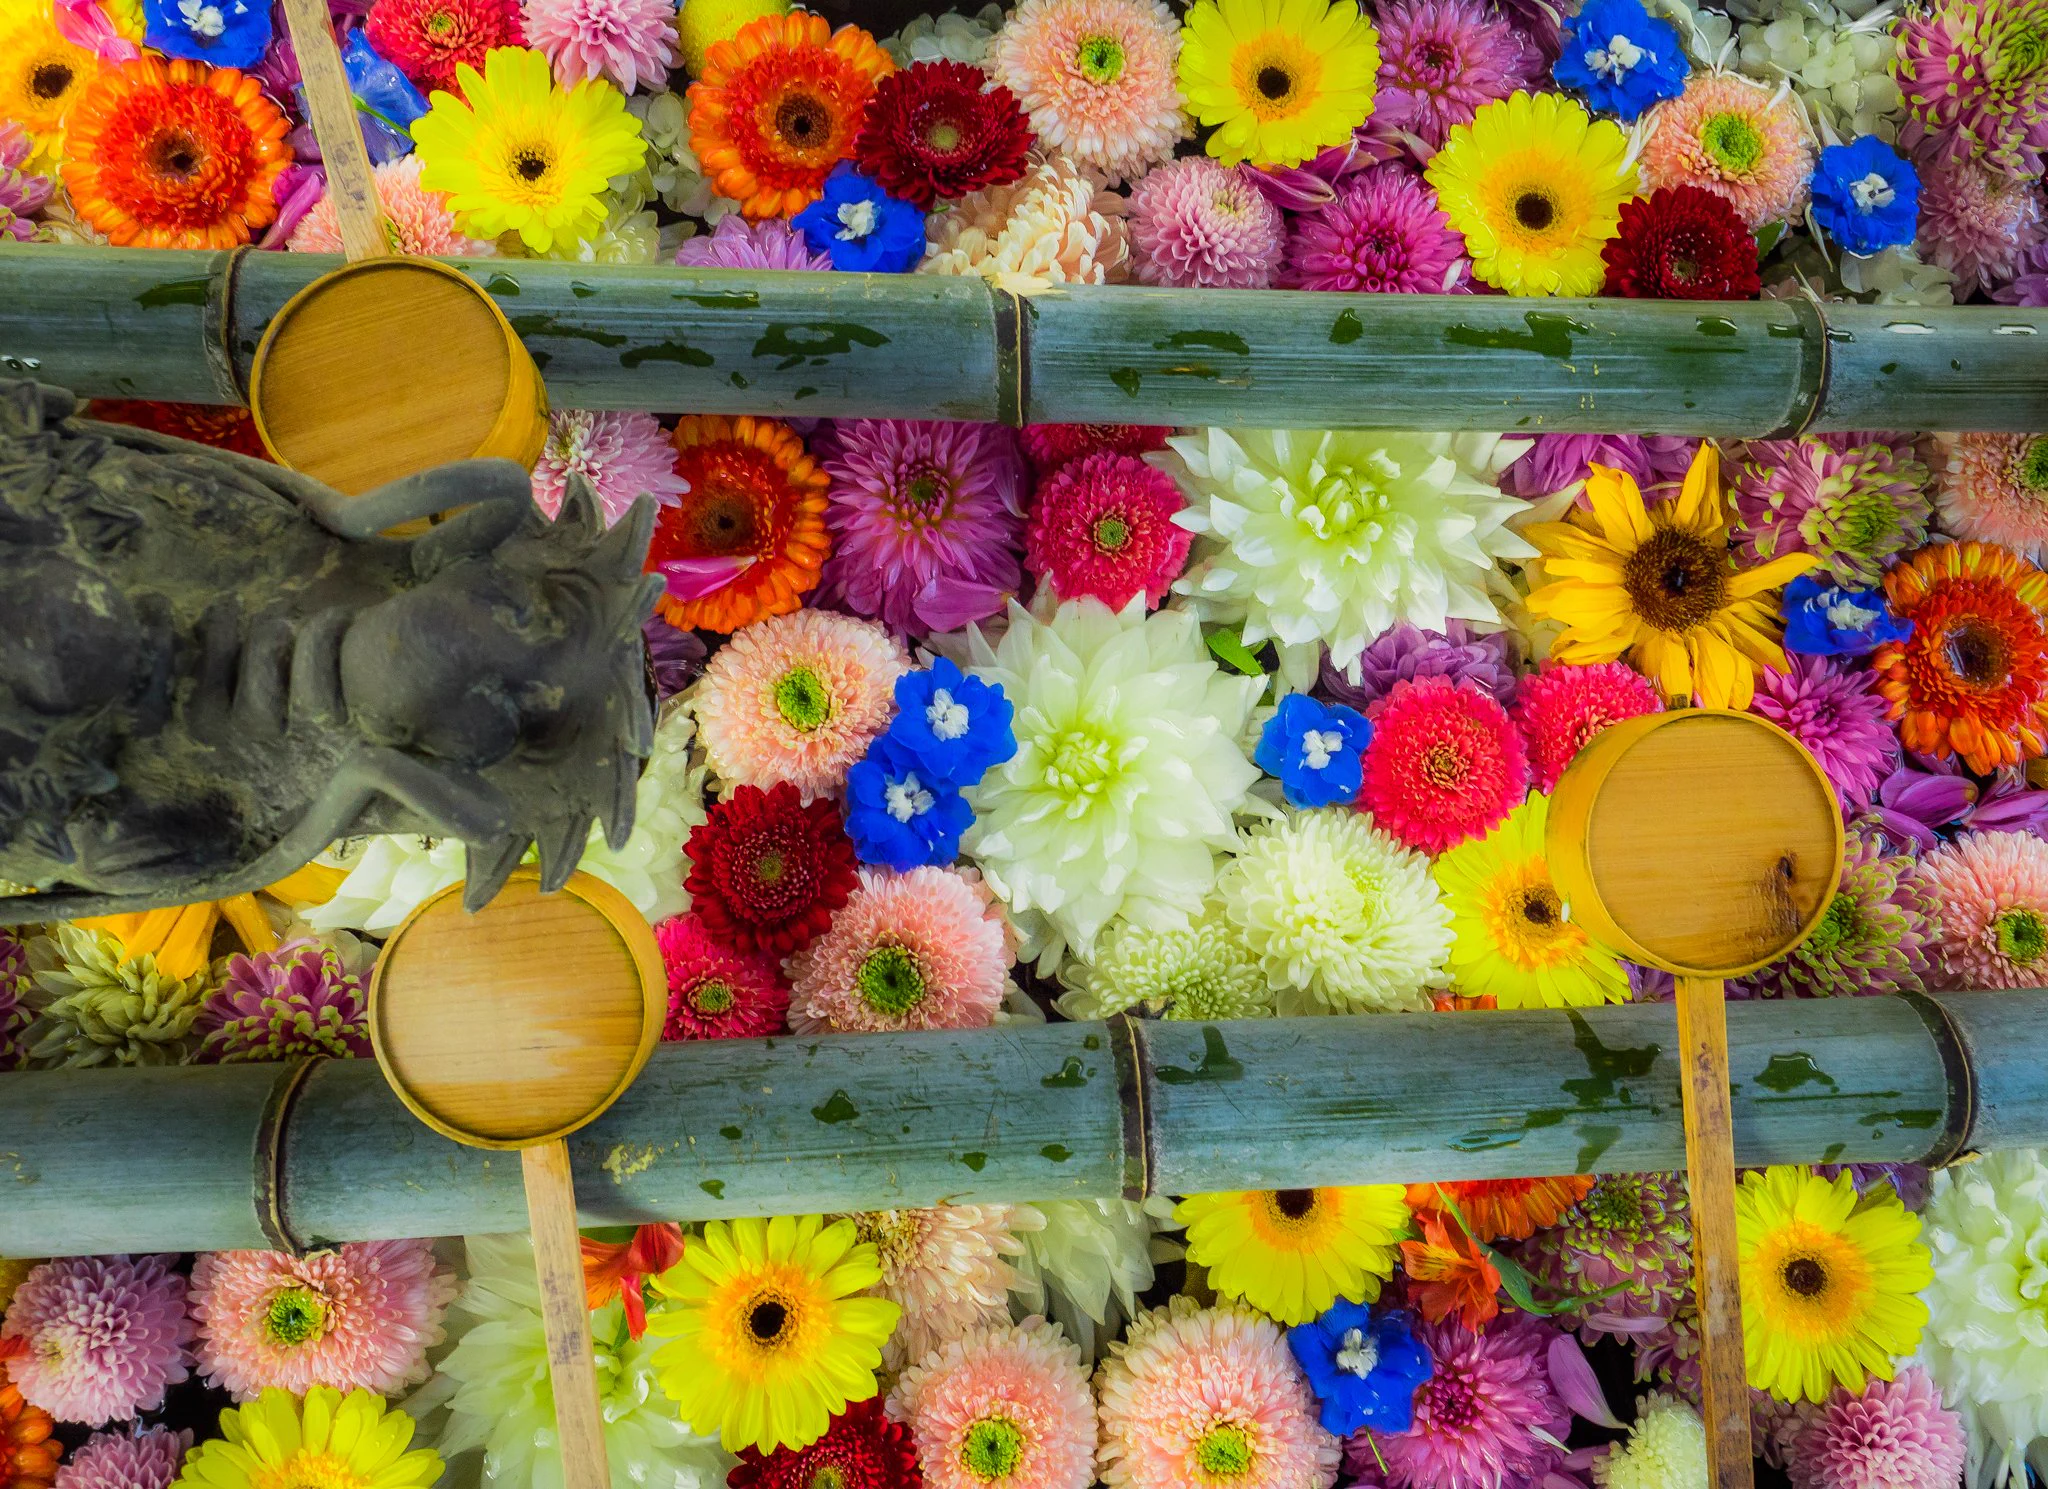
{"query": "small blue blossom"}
{"type": "Point", "coordinates": [386, 101]}
{"type": "Point", "coordinates": [957, 727]}
{"type": "Point", "coordinates": [1315, 749]}
{"type": "Point", "coordinates": [1825, 620]}
{"type": "Point", "coordinates": [1866, 196]}
{"type": "Point", "coordinates": [1621, 57]}
{"type": "Point", "coordinates": [1364, 1372]}
{"type": "Point", "coordinates": [861, 226]}
{"type": "Point", "coordinates": [897, 816]}
{"type": "Point", "coordinates": [225, 33]}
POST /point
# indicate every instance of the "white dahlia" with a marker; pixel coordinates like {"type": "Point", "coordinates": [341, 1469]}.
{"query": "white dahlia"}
{"type": "Point", "coordinates": [1127, 775]}
{"type": "Point", "coordinates": [1201, 971]}
{"type": "Point", "coordinates": [1342, 916]}
{"type": "Point", "coordinates": [1088, 1261]}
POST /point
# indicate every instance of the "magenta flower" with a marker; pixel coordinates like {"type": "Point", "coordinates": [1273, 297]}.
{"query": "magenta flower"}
{"type": "Point", "coordinates": [1441, 59]}
{"type": "Point", "coordinates": [1554, 461]}
{"type": "Point", "coordinates": [107, 1336]}
{"type": "Point", "coordinates": [1384, 233]}
{"type": "Point", "coordinates": [274, 1005]}
{"type": "Point", "coordinates": [1840, 718]}
{"type": "Point", "coordinates": [739, 244]}
{"type": "Point", "coordinates": [1103, 526]}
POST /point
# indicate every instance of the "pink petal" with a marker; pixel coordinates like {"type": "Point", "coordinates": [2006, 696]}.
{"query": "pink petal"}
{"type": "Point", "coordinates": [694, 578]}
{"type": "Point", "coordinates": [1575, 1383]}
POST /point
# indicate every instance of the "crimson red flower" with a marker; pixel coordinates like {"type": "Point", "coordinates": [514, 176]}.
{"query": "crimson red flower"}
{"type": "Point", "coordinates": [938, 130]}
{"type": "Point", "coordinates": [427, 39]}
{"type": "Point", "coordinates": [1050, 446]}
{"type": "Point", "coordinates": [862, 1449]}
{"type": "Point", "coordinates": [767, 871]}
{"type": "Point", "coordinates": [225, 427]}
{"type": "Point", "coordinates": [1681, 243]}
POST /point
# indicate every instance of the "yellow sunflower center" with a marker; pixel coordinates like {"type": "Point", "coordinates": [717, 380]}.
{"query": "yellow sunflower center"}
{"type": "Point", "coordinates": [1276, 75]}
{"type": "Point", "coordinates": [1537, 202]}
{"type": "Point", "coordinates": [766, 1323]}
{"type": "Point", "coordinates": [1816, 1283]}
{"type": "Point", "coordinates": [530, 172]}
{"type": "Point", "coordinates": [1677, 580]}
{"type": "Point", "coordinates": [307, 1470]}
{"type": "Point", "coordinates": [1525, 918]}
{"type": "Point", "coordinates": [1296, 1219]}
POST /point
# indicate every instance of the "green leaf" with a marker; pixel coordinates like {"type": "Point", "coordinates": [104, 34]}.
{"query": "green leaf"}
{"type": "Point", "coordinates": [1229, 648]}
{"type": "Point", "coordinates": [1767, 238]}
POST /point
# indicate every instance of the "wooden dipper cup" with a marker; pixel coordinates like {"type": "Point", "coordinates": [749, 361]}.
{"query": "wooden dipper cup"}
{"type": "Point", "coordinates": [392, 365]}
{"type": "Point", "coordinates": [512, 1028]}
{"type": "Point", "coordinates": [1708, 843]}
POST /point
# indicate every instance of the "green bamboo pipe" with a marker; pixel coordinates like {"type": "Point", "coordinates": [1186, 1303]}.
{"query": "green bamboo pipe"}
{"type": "Point", "coordinates": [252, 1156]}
{"type": "Point", "coordinates": [139, 323]}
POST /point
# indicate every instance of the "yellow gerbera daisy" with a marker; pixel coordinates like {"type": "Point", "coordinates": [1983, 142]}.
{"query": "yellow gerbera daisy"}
{"type": "Point", "coordinates": [1291, 1253]}
{"type": "Point", "coordinates": [517, 154]}
{"type": "Point", "coordinates": [1659, 584]}
{"type": "Point", "coordinates": [1280, 79]}
{"type": "Point", "coordinates": [769, 1340]}
{"type": "Point", "coordinates": [334, 1441]}
{"type": "Point", "coordinates": [41, 76]}
{"type": "Point", "coordinates": [1536, 186]}
{"type": "Point", "coordinates": [1828, 1282]}
{"type": "Point", "coordinates": [1513, 940]}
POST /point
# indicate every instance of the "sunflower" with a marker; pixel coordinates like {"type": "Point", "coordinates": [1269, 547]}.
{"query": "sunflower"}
{"type": "Point", "coordinates": [174, 155]}
{"type": "Point", "coordinates": [1660, 585]}
{"type": "Point", "coordinates": [1292, 1253]}
{"type": "Point", "coordinates": [1280, 79]}
{"type": "Point", "coordinates": [768, 1340]}
{"type": "Point", "coordinates": [328, 1439]}
{"type": "Point", "coordinates": [1536, 187]}
{"type": "Point", "coordinates": [41, 77]}
{"type": "Point", "coordinates": [1828, 1282]}
{"type": "Point", "coordinates": [748, 538]}
{"type": "Point", "coordinates": [779, 105]}
{"type": "Point", "coordinates": [1513, 940]}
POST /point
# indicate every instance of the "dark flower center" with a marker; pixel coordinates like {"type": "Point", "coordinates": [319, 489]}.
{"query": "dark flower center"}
{"type": "Point", "coordinates": [531, 164]}
{"type": "Point", "coordinates": [1677, 580]}
{"type": "Point", "coordinates": [1976, 653]}
{"type": "Point", "coordinates": [1437, 57]}
{"type": "Point", "coordinates": [176, 154]}
{"type": "Point", "coordinates": [1294, 1203]}
{"type": "Point", "coordinates": [1535, 210]}
{"type": "Point", "coordinates": [50, 80]}
{"type": "Point", "coordinates": [803, 122]}
{"type": "Point", "coordinates": [1452, 1402]}
{"type": "Point", "coordinates": [1275, 82]}
{"type": "Point", "coordinates": [766, 1320]}
{"type": "Point", "coordinates": [725, 522]}
{"type": "Point", "coordinates": [1805, 1276]}
{"type": "Point", "coordinates": [1540, 906]}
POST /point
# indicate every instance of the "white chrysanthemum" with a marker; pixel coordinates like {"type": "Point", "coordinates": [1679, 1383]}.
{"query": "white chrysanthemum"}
{"type": "Point", "coordinates": [949, 1268]}
{"type": "Point", "coordinates": [1898, 276]}
{"type": "Point", "coordinates": [1334, 535]}
{"type": "Point", "coordinates": [1088, 1262]}
{"type": "Point", "coordinates": [1201, 971]}
{"type": "Point", "coordinates": [1986, 1343]}
{"type": "Point", "coordinates": [952, 37]}
{"type": "Point", "coordinates": [1666, 1449]}
{"type": "Point", "coordinates": [1127, 775]}
{"type": "Point", "coordinates": [1340, 914]}
{"type": "Point", "coordinates": [1839, 67]}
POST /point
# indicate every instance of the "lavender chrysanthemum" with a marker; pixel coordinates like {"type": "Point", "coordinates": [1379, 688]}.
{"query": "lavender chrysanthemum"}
{"type": "Point", "coordinates": [1839, 715]}
{"type": "Point", "coordinates": [630, 42]}
{"type": "Point", "coordinates": [1632, 1232]}
{"type": "Point", "coordinates": [1199, 225]}
{"type": "Point", "coordinates": [1554, 461]}
{"type": "Point", "coordinates": [1912, 1182]}
{"type": "Point", "coordinates": [927, 522]}
{"type": "Point", "coordinates": [277, 1005]}
{"type": "Point", "coordinates": [1407, 652]}
{"type": "Point", "coordinates": [148, 1458]}
{"type": "Point", "coordinates": [1876, 936]}
{"type": "Point", "coordinates": [675, 657]}
{"type": "Point", "coordinates": [22, 193]}
{"type": "Point", "coordinates": [739, 244]}
{"type": "Point", "coordinates": [1892, 1434]}
{"type": "Point", "coordinates": [1975, 75]}
{"type": "Point", "coordinates": [1383, 234]}
{"type": "Point", "coordinates": [623, 456]}
{"type": "Point", "coordinates": [106, 1336]}
{"type": "Point", "coordinates": [1977, 224]}
{"type": "Point", "coordinates": [1855, 510]}
{"type": "Point", "coordinates": [1441, 59]}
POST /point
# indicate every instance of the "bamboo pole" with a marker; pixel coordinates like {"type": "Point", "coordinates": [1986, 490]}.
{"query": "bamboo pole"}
{"type": "Point", "coordinates": [139, 323]}
{"type": "Point", "coordinates": [250, 1156]}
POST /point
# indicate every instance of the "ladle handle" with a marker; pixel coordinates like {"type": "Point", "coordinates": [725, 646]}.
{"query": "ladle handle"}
{"type": "Point", "coordinates": [558, 1257]}
{"type": "Point", "coordinates": [331, 105]}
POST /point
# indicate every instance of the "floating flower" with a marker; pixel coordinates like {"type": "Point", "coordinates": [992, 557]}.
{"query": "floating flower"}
{"type": "Point", "coordinates": [416, 221]}
{"type": "Point", "coordinates": [1893, 1435]}
{"type": "Point", "coordinates": [739, 244]}
{"type": "Point", "coordinates": [1446, 764]}
{"type": "Point", "coordinates": [278, 1005]}
{"type": "Point", "coordinates": [42, 75]}
{"type": "Point", "coordinates": [1204, 972]}
{"type": "Point", "coordinates": [1877, 935]}
{"type": "Point", "coordinates": [1976, 79]}
{"type": "Point", "coordinates": [628, 42]}
{"type": "Point", "coordinates": [1500, 1209]}
{"type": "Point", "coordinates": [1994, 489]}
{"type": "Point", "coordinates": [921, 950]}
{"type": "Point", "coordinates": [1737, 139]}
{"type": "Point", "coordinates": [863, 1449]}
{"type": "Point", "coordinates": [224, 33]}
{"type": "Point", "coordinates": [327, 1438]}
{"type": "Point", "coordinates": [95, 1005]}
{"type": "Point", "coordinates": [223, 426]}
{"type": "Point", "coordinates": [1681, 243]}
{"type": "Point", "coordinates": [715, 992]}
{"type": "Point", "coordinates": [862, 228]}
{"type": "Point", "coordinates": [1854, 509]}
{"type": "Point", "coordinates": [1449, 1274]}
{"type": "Point", "coordinates": [1826, 620]}
{"type": "Point", "coordinates": [767, 870]}
{"type": "Point", "coordinates": [937, 130]}
{"type": "Point", "coordinates": [1096, 78]}
{"type": "Point", "coordinates": [1440, 60]}
{"type": "Point", "coordinates": [1621, 57]}
{"type": "Point", "coordinates": [617, 1271]}
{"type": "Point", "coordinates": [1102, 527]}
{"type": "Point", "coordinates": [704, 24]}
{"type": "Point", "coordinates": [1535, 185]}
{"type": "Point", "coordinates": [1406, 652]}
{"type": "Point", "coordinates": [624, 456]}
{"type": "Point", "coordinates": [1627, 1245]}
{"type": "Point", "coordinates": [1199, 225]}
{"type": "Point", "coordinates": [1866, 196]}
{"type": "Point", "coordinates": [1050, 446]}
{"type": "Point", "coordinates": [28, 1449]}
{"type": "Point", "coordinates": [106, 1336]}
{"type": "Point", "coordinates": [1839, 717]}
{"type": "Point", "coordinates": [1666, 1446]}
{"type": "Point", "coordinates": [1004, 1404]}
{"type": "Point", "coordinates": [428, 40]}
{"type": "Point", "coordinates": [1979, 225]}
{"type": "Point", "coordinates": [1057, 225]}
{"type": "Point", "coordinates": [898, 813]}
{"type": "Point", "coordinates": [1561, 707]}
{"type": "Point", "coordinates": [1384, 234]}
{"type": "Point", "coordinates": [957, 727]}
{"type": "Point", "coordinates": [1554, 461]}
{"type": "Point", "coordinates": [1315, 749]}
{"type": "Point", "coordinates": [949, 1270]}
{"type": "Point", "coordinates": [1279, 83]}
{"type": "Point", "coordinates": [1291, 1253]}
{"type": "Point", "coordinates": [1363, 1370]}
{"type": "Point", "coordinates": [1991, 890]}
{"type": "Point", "coordinates": [131, 1459]}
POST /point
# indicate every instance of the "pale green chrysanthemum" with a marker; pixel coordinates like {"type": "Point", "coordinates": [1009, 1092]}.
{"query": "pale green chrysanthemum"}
{"type": "Point", "coordinates": [1839, 67]}
{"type": "Point", "coordinates": [1204, 971]}
{"type": "Point", "coordinates": [1340, 914]}
{"type": "Point", "coordinates": [952, 37]}
{"type": "Point", "coordinates": [94, 1005]}
{"type": "Point", "coordinates": [1088, 1263]}
{"type": "Point", "coordinates": [1666, 1449]}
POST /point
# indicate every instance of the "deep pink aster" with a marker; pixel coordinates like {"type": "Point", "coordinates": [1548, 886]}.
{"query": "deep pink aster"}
{"type": "Point", "coordinates": [1103, 526]}
{"type": "Point", "coordinates": [1446, 763]}
{"type": "Point", "coordinates": [1975, 76]}
{"type": "Point", "coordinates": [715, 992]}
{"type": "Point", "coordinates": [1562, 707]}
{"type": "Point", "coordinates": [276, 1005]}
{"type": "Point", "coordinates": [1840, 718]}
{"type": "Point", "coordinates": [738, 244]}
{"type": "Point", "coordinates": [1895, 1435]}
{"type": "Point", "coordinates": [631, 42]}
{"type": "Point", "coordinates": [1407, 651]}
{"type": "Point", "coordinates": [926, 520]}
{"type": "Point", "coordinates": [1976, 223]}
{"type": "Point", "coordinates": [1441, 59]}
{"type": "Point", "coordinates": [106, 1336]}
{"type": "Point", "coordinates": [1199, 225]}
{"type": "Point", "coordinates": [623, 456]}
{"type": "Point", "coordinates": [1383, 234]}
{"type": "Point", "coordinates": [1657, 462]}
{"type": "Point", "coordinates": [130, 1459]}
{"type": "Point", "coordinates": [1050, 446]}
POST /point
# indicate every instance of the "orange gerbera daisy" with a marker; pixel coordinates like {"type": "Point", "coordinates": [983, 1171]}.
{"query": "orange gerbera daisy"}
{"type": "Point", "coordinates": [1450, 1274]}
{"type": "Point", "coordinates": [748, 539]}
{"type": "Point", "coordinates": [1502, 1209]}
{"type": "Point", "coordinates": [28, 1453]}
{"type": "Point", "coordinates": [779, 105]}
{"type": "Point", "coordinates": [175, 154]}
{"type": "Point", "coordinates": [1972, 679]}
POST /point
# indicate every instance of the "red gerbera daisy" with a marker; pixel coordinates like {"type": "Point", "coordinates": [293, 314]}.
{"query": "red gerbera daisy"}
{"type": "Point", "coordinates": [1681, 243]}
{"type": "Point", "coordinates": [225, 427]}
{"type": "Point", "coordinates": [715, 992]}
{"type": "Point", "coordinates": [1446, 763]}
{"type": "Point", "coordinates": [938, 130]}
{"type": "Point", "coordinates": [1050, 446]}
{"type": "Point", "coordinates": [426, 39]}
{"type": "Point", "coordinates": [862, 1449]}
{"type": "Point", "coordinates": [767, 871]}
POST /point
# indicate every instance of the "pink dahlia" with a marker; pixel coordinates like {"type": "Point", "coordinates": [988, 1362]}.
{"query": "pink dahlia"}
{"type": "Point", "coordinates": [1977, 224]}
{"type": "Point", "coordinates": [947, 1268]}
{"type": "Point", "coordinates": [1854, 509]}
{"type": "Point", "coordinates": [1006, 1404]}
{"type": "Point", "coordinates": [624, 456]}
{"type": "Point", "coordinates": [359, 1317]}
{"type": "Point", "coordinates": [1209, 1391]}
{"type": "Point", "coordinates": [417, 220]}
{"type": "Point", "coordinates": [715, 992]}
{"type": "Point", "coordinates": [1050, 446]}
{"type": "Point", "coordinates": [1555, 461]}
{"type": "Point", "coordinates": [1096, 78]}
{"type": "Point", "coordinates": [1446, 763]}
{"type": "Point", "coordinates": [631, 42]}
{"type": "Point", "coordinates": [1839, 716]}
{"type": "Point", "coordinates": [1994, 488]}
{"type": "Point", "coordinates": [1384, 234]}
{"type": "Point", "coordinates": [924, 950]}
{"type": "Point", "coordinates": [1199, 225]}
{"type": "Point", "coordinates": [106, 1336]}
{"type": "Point", "coordinates": [1441, 59]}
{"type": "Point", "coordinates": [1992, 890]}
{"type": "Point", "coordinates": [739, 244]}
{"type": "Point", "coordinates": [1103, 526]}
{"type": "Point", "coordinates": [22, 194]}
{"type": "Point", "coordinates": [1407, 651]}
{"type": "Point", "coordinates": [926, 521]}
{"type": "Point", "coordinates": [1737, 139]}
{"type": "Point", "coordinates": [1975, 76]}
{"type": "Point", "coordinates": [1562, 707]}
{"type": "Point", "coordinates": [1895, 1435]}
{"type": "Point", "coordinates": [148, 1458]}
{"type": "Point", "coordinates": [276, 1005]}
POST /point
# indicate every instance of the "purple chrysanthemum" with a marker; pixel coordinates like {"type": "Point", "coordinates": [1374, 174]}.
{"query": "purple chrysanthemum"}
{"type": "Point", "coordinates": [131, 1459]}
{"type": "Point", "coordinates": [1855, 510]}
{"type": "Point", "coordinates": [623, 455]}
{"type": "Point", "coordinates": [106, 1336]}
{"type": "Point", "coordinates": [14, 1016]}
{"type": "Point", "coordinates": [22, 193]}
{"type": "Point", "coordinates": [927, 522]}
{"type": "Point", "coordinates": [1441, 59]}
{"type": "Point", "coordinates": [1893, 1434]}
{"type": "Point", "coordinates": [739, 244]}
{"type": "Point", "coordinates": [675, 657]}
{"type": "Point", "coordinates": [1977, 224]}
{"type": "Point", "coordinates": [1975, 75]}
{"type": "Point", "coordinates": [1912, 1182]}
{"type": "Point", "coordinates": [274, 1005]}
{"type": "Point", "coordinates": [1630, 1232]}
{"type": "Point", "coordinates": [1554, 461]}
{"type": "Point", "coordinates": [1839, 716]}
{"type": "Point", "coordinates": [1199, 225]}
{"type": "Point", "coordinates": [1383, 234]}
{"type": "Point", "coordinates": [1407, 652]}
{"type": "Point", "coordinates": [1877, 934]}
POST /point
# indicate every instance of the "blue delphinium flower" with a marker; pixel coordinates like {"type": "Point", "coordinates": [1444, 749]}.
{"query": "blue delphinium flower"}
{"type": "Point", "coordinates": [1363, 1370]}
{"type": "Point", "coordinates": [1314, 748]}
{"type": "Point", "coordinates": [386, 101]}
{"type": "Point", "coordinates": [897, 815]}
{"type": "Point", "coordinates": [861, 226]}
{"type": "Point", "coordinates": [1621, 57]}
{"type": "Point", "coordinates": [1866, 195]}
{"type": "Point", "coordinates": [958, 727]}
{"type": "Point", "coordinates": [1825, 620]}
{"type": "Point", "coordinates": [225, 33]}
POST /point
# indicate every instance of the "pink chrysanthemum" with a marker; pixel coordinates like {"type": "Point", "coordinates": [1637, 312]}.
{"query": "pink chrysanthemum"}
{"type": "Point", "coordinates": [1737, 139]}
{"type": "Point", "coordinates": [947, 1268]}
{"type": "Point", "coordinates": [1384, 234]}
{"type": "Point", "coordinates": [1562, 707]}
{"type": "Point", "coordinates": [1976, 223]}
{"type": "Point", "coordinates": [1994, 489]}
{"type": "Point", "coordinates": [359, 1317]}
{"type": "Point", "coordinates": [1895, 1435]}
{"type": "Point", "coordinates": [715, 992]}
{"type": "Point", "coordinates": [106, 1336]}
{"type": "Point", "coordinates": [926, 519]}
{"type": "Point", "coordinates": [1199, 225]}
{"type": "Point", "coordinates": [1992, 890]}
{"type": "Point", "coordinates": [22, 193]}
{"type": "Point", "coordinates": [416, 220]}
{"type": "Point", "coordinates": [924, 950]}
{"type": "Point", "coordinates": [622, 455]}
{"type": "Point", "coordinates": [1975, 76]}
{"type": "Point", "coordinates": [145, 1459]}
{"type": "Point", "coordinates": [1096, 78]}
{"type": "Point", "coordinates": [797, 698]}
{"type": "Point", "coordinates": [1656, 462]}
{"type": "Point", "coordinates": [1004, 1405]}
{"type": "Point", "coordinates": [1855, 508]}
{"type": "Point", "coordinates": [1446, 763]}
{"type": "Point", "coordinates": [1050, 446]}
{"type": "Point", "coordinates": [739, 244]}
{"type": "Point", "coordinates": [1441, 59]}
{"type": "Point", "coordinates": [1213, 1392]}
{"type": "Point", "coordinates": [631, 42]}
{"type": "Point", "coordinates": [275, 1005]}
{"type": "Point", "coordinates": [1103, 526]}
{"type": "Point", "coordinates": [1839, 716]}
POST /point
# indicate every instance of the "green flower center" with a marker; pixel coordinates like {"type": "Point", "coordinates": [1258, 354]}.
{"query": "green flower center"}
{"type": "Point", "coordinates": [944, 137]}
{"type": "Point", "coordinates": [2032, 466]}
{"type": "Point", "coordinates": [1865, 522]}
{"type": "Point", "coordinates": [802, 699]}
{"type": "Point", "coordinates": [1112, 534]}
{"type": "Point", "coordinates": [1614, 1204]}
{"type": "Point", "coordinates": [2022, 935]}
{"type": "Point", "coordinates": [890, 981]}
{"type": "Point", "coordinates": [1080, 764]}
{"type": "Point", "coordinates": [1841, 925]}
{"type": "Point", "coordinates": [1224, 1452]}
{"type": "Point", "coordinates": [712, 996]}
{"type": "Point", "coordinates": [296, 1315]}
{"type": "Point", "coordinates": [2022, 49]}
{"type": "Point", "coordinates": [439, 24]}
{"type": "Point", "coordinates": [827, 1476]}
{"type": "Point", "coordinates": [1735, 144]}
{"type": "Point", "coordinates": [1100, 58]}
{"type": "Point", "coordinates": [992, 1449]}
{"type": "Point", "coordinates": [1349, 499]}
